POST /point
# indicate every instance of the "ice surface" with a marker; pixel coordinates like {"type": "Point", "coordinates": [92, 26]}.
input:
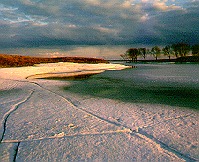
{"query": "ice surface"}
{"type": "Point", "coordinates": [108, 147]}
{"type": "Point", "coordinates": [43, 121]}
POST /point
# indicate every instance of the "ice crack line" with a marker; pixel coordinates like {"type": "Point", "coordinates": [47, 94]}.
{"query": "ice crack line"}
{"type": "Point", "coordinates": [62, 135]}
{"type": "Point", "coordinates": [16, 152]}
{"type": "Point", "coordinates": [14, 108]}
{"type": "Point", "coordinates": [78, 108]}
{"type": "Point", "coordinates": [162, 147]}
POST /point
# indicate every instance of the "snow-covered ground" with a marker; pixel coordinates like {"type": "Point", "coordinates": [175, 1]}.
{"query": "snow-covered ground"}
{"type": "Point", "coordinates": [42, 122]}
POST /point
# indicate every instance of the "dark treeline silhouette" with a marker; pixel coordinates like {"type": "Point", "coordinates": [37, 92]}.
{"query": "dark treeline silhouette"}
{"type": "Point", "coordinates": [180, 52]}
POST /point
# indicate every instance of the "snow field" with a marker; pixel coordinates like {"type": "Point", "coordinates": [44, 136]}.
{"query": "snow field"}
{"type": "Point", "coordinates": [41, 122]}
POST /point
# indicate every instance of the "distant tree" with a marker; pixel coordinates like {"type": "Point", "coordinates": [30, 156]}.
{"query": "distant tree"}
{"type": "Point", "coordinates": [133, 54]}
{"type": "Point", "coordinates": [148, 51]}
{"type": "Point", "coordinates": [124, 56]}
{"type": "Point", "coordinates": [195, 50]}
{"type": "Point", "coordinates": [181, 49]}
{"type": "Point", "coordinates": [155, 51]}
{"type": "Point", "coordinates": [184, 48]}
{"type": "Point", "coordinates": [142, 52]}
{"type": "Point", "coordinates": [167, 51]}
{"type": "Point", "coordinates": [175, 50]}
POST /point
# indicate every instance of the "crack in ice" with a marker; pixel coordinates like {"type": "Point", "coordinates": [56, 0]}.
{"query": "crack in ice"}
{"type": "Point", "coordinates": [62, 135]}
{"type": "Point", "coordinates": [14, 108]}
{"type": "Point", "coordinates": [16, 152]}
{"type": "Point", "coordinates": [78, 108]}
{"type": "Point", "coordinates": [162, 147]}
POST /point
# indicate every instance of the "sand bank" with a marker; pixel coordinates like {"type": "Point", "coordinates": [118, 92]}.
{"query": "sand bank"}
{"type": "Point", "coordinates": [62, 69]}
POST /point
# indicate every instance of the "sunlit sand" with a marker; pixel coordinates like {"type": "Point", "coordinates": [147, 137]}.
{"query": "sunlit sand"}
{"type": "Point", "coordinates": [63, 69]}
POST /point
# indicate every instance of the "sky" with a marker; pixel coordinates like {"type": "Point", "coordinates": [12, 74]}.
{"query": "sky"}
{"type": "Point", "coordinates": [33, 23]}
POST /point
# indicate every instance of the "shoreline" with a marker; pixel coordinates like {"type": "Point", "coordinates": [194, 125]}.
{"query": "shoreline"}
{"type": "Point", "coordinates": [185, 59]}
{"type": "Point", "coordinates": [26, 67]}
{"type": "Point", "coordinates": [68, 75]}
{"type": "Point", "coordinates": [57, 70]}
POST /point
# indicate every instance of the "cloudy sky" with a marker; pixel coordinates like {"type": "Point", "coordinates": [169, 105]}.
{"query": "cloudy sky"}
{"type": "Point", "coordinates": [31, 23]}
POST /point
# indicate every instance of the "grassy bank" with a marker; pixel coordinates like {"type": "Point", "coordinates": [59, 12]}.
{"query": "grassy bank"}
{"type": "Point", "coordinates": [18, 61]}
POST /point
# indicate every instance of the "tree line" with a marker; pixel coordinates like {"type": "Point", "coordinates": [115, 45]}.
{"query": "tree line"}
{"type": "Point", "coordinates": [175, 50]}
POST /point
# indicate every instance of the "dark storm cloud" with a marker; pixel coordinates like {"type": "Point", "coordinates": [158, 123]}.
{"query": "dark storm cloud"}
{"type": "Point", "coordinates": [178, 25]}
{"type": "Point", "coordinates": [60, 22]}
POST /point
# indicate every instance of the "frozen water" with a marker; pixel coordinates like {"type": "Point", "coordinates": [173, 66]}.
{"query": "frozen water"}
{"type": "Point", "coordinates": [149, 113]}
{"type": "Point", "coordinates": [147, 83]}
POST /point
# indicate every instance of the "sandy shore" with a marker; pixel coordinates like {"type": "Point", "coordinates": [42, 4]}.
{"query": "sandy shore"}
{"type": "Point", "coordinates": [40, 121]}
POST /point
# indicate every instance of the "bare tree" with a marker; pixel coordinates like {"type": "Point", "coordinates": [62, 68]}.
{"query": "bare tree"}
{"type": "Point", "coordinates": [124, 56]}
{"type": "Point", "coordinates": [181, 49]}
{"type": "Point", "coordinates": [175, 50]}
{"type": "Point", "coordinates": [142, 52]}
{"type": "Point", "coordinates": [167, 51]}
{"type": "Point", "coordinates": [155, 51]}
